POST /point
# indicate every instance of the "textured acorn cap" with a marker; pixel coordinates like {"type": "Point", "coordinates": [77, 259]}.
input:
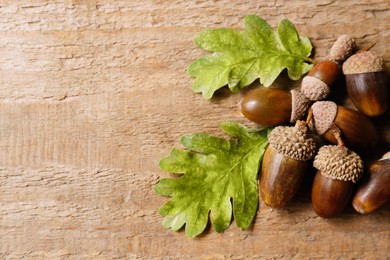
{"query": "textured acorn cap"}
{"type": "Point", "coordinates": [293, 141]}
{"type": "Point", "coordinates": [314, 88]}
{"type": "Point", "coordinates": [324, 114]}
{"type": "Point", "coordinates": [363, 62]}
{"type": "Point", "coordinates": [343, 47]}
{"type": "Point", "coordinates": [300, 105]}
{"type": "Point", "coordinates": [338, 162]}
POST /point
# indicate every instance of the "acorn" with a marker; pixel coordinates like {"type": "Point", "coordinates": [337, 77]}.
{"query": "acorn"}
{"type": "Point", "coordinates": [285, 163]}
{"type": "Point", "coordinates": [366, 83]}
{"type": "Point", "coordinates": [338, 170]}
{"type": "Point", "coordinates": [274, 106]}
{"type": "Point", "coordinates": [358, 131]}
{"type": "Point", "coordinates": [342, 49]}
{"type": "Point", "coordinates": [374, 191]}
{"type": "Point", "coordinates": [317, 84]}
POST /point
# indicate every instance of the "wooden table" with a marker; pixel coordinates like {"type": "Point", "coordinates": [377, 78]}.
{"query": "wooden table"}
{"type": "Point", "coordinates": [93, 94]}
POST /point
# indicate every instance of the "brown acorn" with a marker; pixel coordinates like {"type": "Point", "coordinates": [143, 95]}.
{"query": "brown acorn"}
{"type": "Point", "coordinates": [366, 83]}
{"type": "Point", "coordinates": [342, 49]}
{"type": "Point", "coordinates": [317, 84]}
{"type": "Point", "coordinates": [358, 131]}
{"type": "Point", "coordinates": [285, 163]}
{"type": "Point", "coordinates": [273, 106]}
{"type": "Point", "coordinates": [374, 191]}
{"type": "Point", "coordinates": [338, 170]}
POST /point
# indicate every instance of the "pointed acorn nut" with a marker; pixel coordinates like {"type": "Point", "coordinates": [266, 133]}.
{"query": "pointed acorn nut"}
{"type": "Point", "coordinates": [374, 191]}
{"type": "Point", "coordinates": [366, 83]}
{"type": "Point", "coordinates": [285, 163]}
{"type": "Point", "coordinates": [357, 130]}
{"type": "Point", "coordinates": [274, 106]}
{"type": "Point", "coordinates": [318, 83]}
{"type": "Point", "coordinates": [338, 170]}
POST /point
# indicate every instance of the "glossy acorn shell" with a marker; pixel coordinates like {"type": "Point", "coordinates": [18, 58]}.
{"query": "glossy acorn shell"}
{"type": "Point", "coordinates": [267, 106]}
{"type": "Point", "coordinates": [374, 190]}
{"type": "Point", "coordinates": [327, 71]}
{"type": "Point", "coordinates": [357, 130]}
{"type": "Point", "coordinates": [329, 196]}
{"type": "Point", "coordinates": [281, 178]}
{"type": "Point", "coordinates": [369, 92]}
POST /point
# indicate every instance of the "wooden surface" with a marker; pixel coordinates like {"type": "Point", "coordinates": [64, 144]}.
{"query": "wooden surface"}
{"type": "Point", "coordinates": [93, 94]}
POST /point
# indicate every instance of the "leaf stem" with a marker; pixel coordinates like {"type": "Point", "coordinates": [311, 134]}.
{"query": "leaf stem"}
{"type": "Point", "coordinates": [310, 60]}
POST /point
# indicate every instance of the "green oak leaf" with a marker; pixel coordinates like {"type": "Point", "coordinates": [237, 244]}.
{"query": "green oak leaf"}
{"type": "Point", "coordinates": [241, 57]}
{"type": "Point", "coordinates": [218, 177]}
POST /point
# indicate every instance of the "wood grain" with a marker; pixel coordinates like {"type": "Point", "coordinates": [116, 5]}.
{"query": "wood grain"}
{"type": "Point", "coordinates": [94, 93]}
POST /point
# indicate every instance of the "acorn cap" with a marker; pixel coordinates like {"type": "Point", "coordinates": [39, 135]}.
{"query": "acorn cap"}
{"type": "Point", "coordinates": [314, 88]}
{"type": "Point", "coordinates": [324, 114]}
{"type": "Point", "coordinates": [339, 163]}
{"type": "Point", "coordinates": [363, 62]}
{"type": "Point", "coordinates": [343, 47]}
{"type": "Point", "coordinates": [293, 141]}
{"type": "Point", "coordinates": [299, 105]}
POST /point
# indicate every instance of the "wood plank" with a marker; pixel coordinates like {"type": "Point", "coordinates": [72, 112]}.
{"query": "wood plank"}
{"type": "Point", "coordinates": [93, 94]}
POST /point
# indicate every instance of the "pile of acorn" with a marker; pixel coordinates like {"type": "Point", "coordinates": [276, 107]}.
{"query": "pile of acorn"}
{"type": "Point", "coordinates": [325, 131]}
